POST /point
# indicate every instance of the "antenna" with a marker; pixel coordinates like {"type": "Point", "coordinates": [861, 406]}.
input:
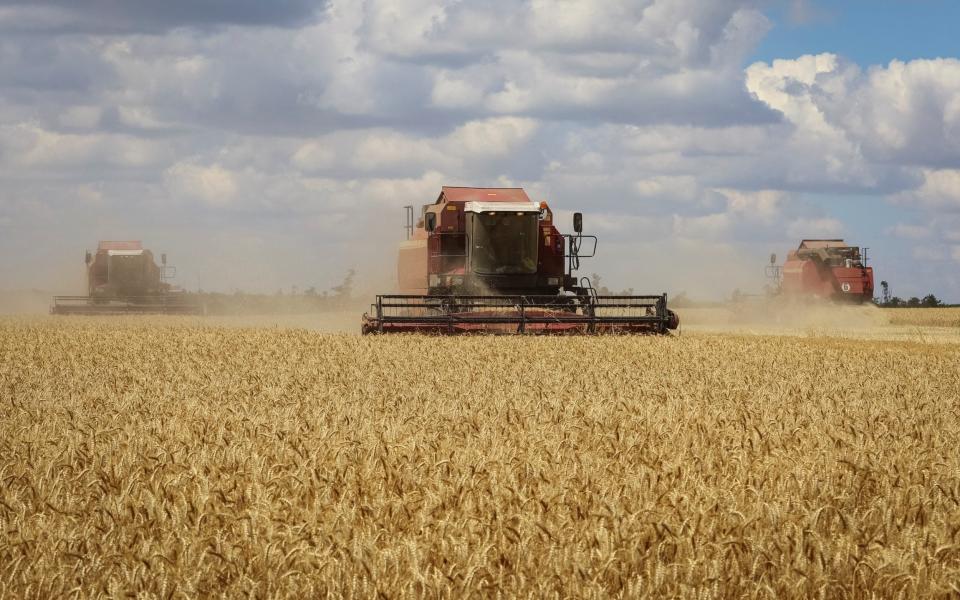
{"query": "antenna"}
{"type": "Point", "coordinates": [409, 226]}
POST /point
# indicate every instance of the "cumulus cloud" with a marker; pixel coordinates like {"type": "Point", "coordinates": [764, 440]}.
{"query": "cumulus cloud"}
{"type": "Point", "coordinates": [474, 146]}
{"type": "Point", "coordinates": [27, 148]}
{"type": "Point", "coordinates": [619, 60]}
{"type": "Point", "coordinates": [928, 253]}
{"type": "Point", "coordinates": [762, 205]}
{"type": "Point", "coordinates": [328, 117]}
{"type": "Point", "coordinates": [865, 122]}
{"type": "Point", "coordinates": [212, 185]}
{"type": "Point", "coordinates": [907, 113]}
{"type": "Point", "coordinates": [129, 16]}
{"type": "Point", "coordinates": [815, 228]}
{"type": "Point", "coordinates": [940, 190]}
{"type": "Point", "coordinates": [907, 231]}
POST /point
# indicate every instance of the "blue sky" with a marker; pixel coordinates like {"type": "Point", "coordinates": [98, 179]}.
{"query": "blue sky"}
{"type": "Point", "coordinates": [867, 32]}
{"type": "Point", "coordinates": [263, 148]}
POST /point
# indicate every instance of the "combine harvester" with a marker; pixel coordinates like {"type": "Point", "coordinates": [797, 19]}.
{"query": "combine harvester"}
{"type": "Point", "coordinates": [827, 270]}
{"type": "Point", "coordinates": [488, 260]}
{"type": "Point", "coordinates": [122, 278]}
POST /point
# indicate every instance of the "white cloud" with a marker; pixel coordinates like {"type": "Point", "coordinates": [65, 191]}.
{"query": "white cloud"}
{"type": "Point", "coordinates": [927, 253]}
{"type": "Point", "coordinates": [387, 151]}
{"type": "Point", "coordinates": [940, 189]}
{"type": "Point", "coordinates": [907, 231]}
{"type": "Point", "coordinates": [375, 153]}
{"type": "Point", "coordinates": [212, 185]}
{"type": "Point", "coordinates": [762, 205]}
{"type": "Point", "coordinates": [491, 137]}
{"type": "Point", "coordinates": [454, 92]}
{"type": "Point", "coordinates": [681, 188]}
{"type": "Point", "coordinates": [81, 117]}
{"type": "Point", "coordinates": [815, 228]}
{"type": "Point", "coordinates": [316, 155]}
{"type": "Point", "coordinates": [33, 148]}
{"type": "Point", "coordinates": [907, 113]}
{"type": "Point", "coordinates": [704, 227]}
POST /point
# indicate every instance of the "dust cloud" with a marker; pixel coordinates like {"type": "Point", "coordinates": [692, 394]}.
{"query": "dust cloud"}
{"type": "Point", "coordinates": [25, 302]}
{"type": "Point", "coordinates": [295, 277]}
{"type": "Point", "coordinates": [780, 315]}
{"type": "Point", "coordinates": [701, 272]}
{"type": "Point", "coordinates": [284, 274]}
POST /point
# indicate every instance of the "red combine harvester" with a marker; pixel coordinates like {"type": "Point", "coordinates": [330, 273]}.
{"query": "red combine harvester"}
{"type": "Point", "coordinates": [123, 278]}
{"type": "Point", "coordinates": [489, 260]}
{"type": "Point", "coordinates": [826, 269]}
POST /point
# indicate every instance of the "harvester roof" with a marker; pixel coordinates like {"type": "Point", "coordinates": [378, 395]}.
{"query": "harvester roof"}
{"type": "Point", "coordinates": [817, 244]}
{"type": "Point", "coordinates": [466, 194]}
{"type": "Point", "coordinates": [482, 207]}
{"type": "Point", "coordinates": [118, 245]}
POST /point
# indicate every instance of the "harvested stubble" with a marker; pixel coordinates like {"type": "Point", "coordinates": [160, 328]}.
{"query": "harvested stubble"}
{"type": "Point", "coordinates": [182, 461]}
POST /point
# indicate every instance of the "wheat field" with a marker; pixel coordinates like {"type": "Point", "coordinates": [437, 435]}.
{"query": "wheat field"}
{"type": "Point", "coordinates": [173, 459]}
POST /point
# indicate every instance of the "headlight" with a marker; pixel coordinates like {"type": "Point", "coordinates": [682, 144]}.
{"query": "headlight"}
{"type": "Point", "coordinates": [553, 281]}
{"type": "Point", "coordinates": [455, 280]}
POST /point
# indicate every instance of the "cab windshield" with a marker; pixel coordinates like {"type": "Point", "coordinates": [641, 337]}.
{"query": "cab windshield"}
{"type": "Point", "coordinates": [504, 242]}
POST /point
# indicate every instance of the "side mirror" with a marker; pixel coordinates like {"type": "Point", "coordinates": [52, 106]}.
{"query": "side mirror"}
{"type": "Point", "coordinates": [163, 259]}
{"type": "Point", "coordinates": [88, 258]}
{"type": "Point", "coordinates": [773, 259]}
{"type": "Point", "coordinates": [578, 222]}
{"type": "Point", "coordinates": [430, 221]}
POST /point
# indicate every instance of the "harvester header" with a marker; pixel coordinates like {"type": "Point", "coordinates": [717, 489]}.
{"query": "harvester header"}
{"type": "Point", "coordinates": [492, 260]}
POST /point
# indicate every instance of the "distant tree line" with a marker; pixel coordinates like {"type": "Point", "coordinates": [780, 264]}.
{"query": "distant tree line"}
{"type": "Point", "coordinates": [928, 301]}
{"type": "Point", "coordinates": [888, 300]}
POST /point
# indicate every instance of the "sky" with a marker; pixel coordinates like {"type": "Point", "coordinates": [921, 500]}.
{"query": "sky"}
{"type": "Point", "coordinates": [265, 145]}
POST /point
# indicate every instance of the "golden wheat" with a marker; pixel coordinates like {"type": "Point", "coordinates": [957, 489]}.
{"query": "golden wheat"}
{"type": "Point", "coordinates": [179, 461]}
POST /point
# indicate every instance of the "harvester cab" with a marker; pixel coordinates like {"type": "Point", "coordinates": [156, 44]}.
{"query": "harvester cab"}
{"type": "Point", "coordinates": [491, 260]}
